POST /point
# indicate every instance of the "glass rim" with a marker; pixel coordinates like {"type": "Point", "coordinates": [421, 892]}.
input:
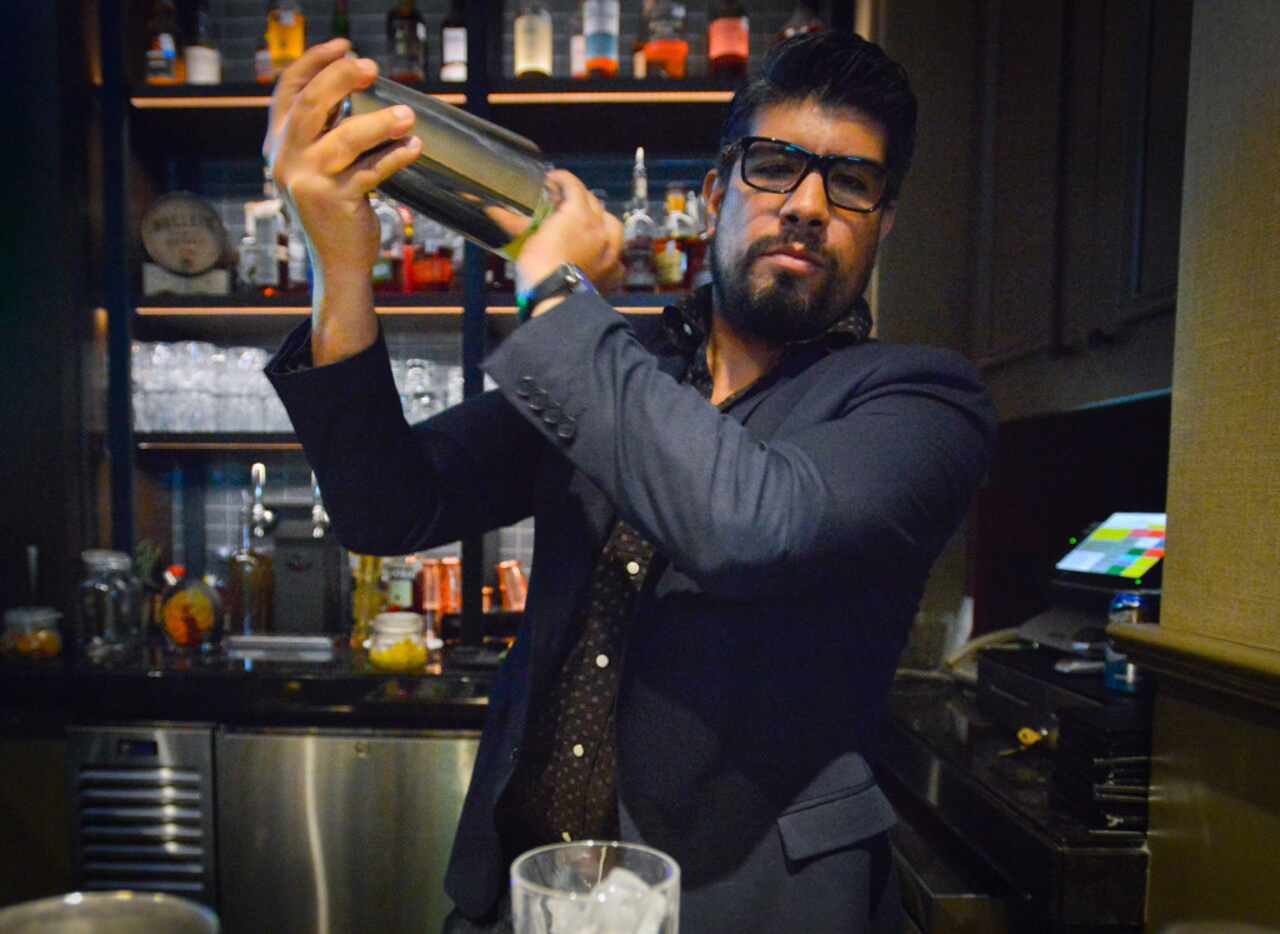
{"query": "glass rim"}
{"type": "Point", "coordinates": [673, 867]}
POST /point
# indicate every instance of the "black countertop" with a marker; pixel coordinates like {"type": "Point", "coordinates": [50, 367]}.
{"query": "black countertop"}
{"type": "Point", "coordinates": [946, 765]}
{"type": "Point", "coordinates": [155, 685]}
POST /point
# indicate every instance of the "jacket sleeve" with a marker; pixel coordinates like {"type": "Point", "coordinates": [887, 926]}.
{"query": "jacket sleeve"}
{"type": "Point", "coordinates": [391, 488]}
{"type": "Point", "coordinates": [884, 479]}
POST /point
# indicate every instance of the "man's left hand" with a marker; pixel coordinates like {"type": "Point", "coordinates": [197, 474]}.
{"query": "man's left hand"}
{"type": "Point", "coordinates": [579, 231]}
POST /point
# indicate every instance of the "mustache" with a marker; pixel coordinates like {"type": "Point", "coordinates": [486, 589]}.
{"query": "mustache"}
{"type": "Point", "coordinates": [808, 242]}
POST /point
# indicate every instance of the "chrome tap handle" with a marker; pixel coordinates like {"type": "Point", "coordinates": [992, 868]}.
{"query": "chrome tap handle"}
{"type": "Point", "coordinates": [319, 515]}
{"type": "Point", "coordinates": [260, 517]}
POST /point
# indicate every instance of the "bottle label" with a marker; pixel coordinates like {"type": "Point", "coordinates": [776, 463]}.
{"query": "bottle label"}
{"type": "Point", "coordinates": [400, 594]}
{"type": "Point", "coordinates": [600, 16]}
{"type": "Point", "coordinates": [601, 45]}
{"type": "Point", "coordinates": [729, 36]}
{"type": "Point", "coordinates": [533, 44]}
{"type": "Point", "coordinates": [453, 39]}
{"type": "Point", "coordinates": [204, 65]}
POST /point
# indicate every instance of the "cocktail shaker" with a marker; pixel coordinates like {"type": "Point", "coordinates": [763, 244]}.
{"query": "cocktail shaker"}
{"type": "Point", "coordinates": [473, 176]}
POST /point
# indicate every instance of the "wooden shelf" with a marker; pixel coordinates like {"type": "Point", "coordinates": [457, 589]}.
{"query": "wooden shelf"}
{"type": "Point", "coordinates": [215, 442]}
{"type": "Point", "coordinates": [236, 96]}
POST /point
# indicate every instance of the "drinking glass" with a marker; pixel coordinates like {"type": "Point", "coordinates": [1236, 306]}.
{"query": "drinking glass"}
{"type": "Point", "coordinates": [603, 887]}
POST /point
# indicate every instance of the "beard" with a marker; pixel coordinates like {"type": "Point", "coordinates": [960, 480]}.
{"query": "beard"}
{"type": "Point", "coordinates": [790, 308]}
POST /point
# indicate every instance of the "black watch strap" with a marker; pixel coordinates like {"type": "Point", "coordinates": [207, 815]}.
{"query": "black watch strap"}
{"type": "Point", "coordinates": [565, 279]}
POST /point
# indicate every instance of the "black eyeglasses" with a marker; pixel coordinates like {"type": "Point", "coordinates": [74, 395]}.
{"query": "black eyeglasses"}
{"type": "Point", "coordinates": [778, 167]}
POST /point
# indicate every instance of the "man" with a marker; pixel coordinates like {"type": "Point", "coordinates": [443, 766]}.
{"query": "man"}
{"type": "Point", "coordinates": [735, 514]}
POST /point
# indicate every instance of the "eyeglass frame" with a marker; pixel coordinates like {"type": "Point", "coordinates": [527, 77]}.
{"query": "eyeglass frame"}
{"type": "Point", "coordinates": [738, 149]}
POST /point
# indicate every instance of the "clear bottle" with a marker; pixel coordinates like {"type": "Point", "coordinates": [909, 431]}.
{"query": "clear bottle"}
{"type": "Point", "coordinates": [406, 43]}
{"type": "Point", "coordinates": [286, 34]}
{"type": "Point", "coordinates": [386, 268]}
{"type": "Point", "coordinates": [453, 44]}
{"type": "Point", "coordinates": [803, 19]}
{"type": "Point", "coordinates": [533, 40]}
{"type": "Point", "coordinates": [399, 577]}
{"type": "Point", "coordinates": [696, 273]}
{"type": "Point", "coordinates": [639, 64]}
{"type": "Point", "coordinates": [600, 21]}
{"type": "Point", "coordinates": [639, 233]}
{"type": "Point", "coordinates": [250, 575]}
{"type": "Point", "coordinates": [666, 51]}
{"type": "Point", "coordinates": [729, 41]}
{"type": "Point", "coordinates": [164, 64]}
{"type": "Point", "coordinates": [204, 60]}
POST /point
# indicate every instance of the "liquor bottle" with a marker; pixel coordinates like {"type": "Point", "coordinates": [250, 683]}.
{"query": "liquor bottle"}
{"type": "Point", "coordinates": [286, 34]}
{"type": "Point", "coordinates": [666, 51]}
{"type": "Point", "coordinates": [340, 25]}
{"type": "Point", "coordinates": [249, 569]}
{"type": "Point", "coordinates": [639, 65]}
{"type": "Point", "coordinates": [406, 43]}
{"type": "Point", "coordinates": [164, 66]}
{"type": "Point", "coordinates": [533, 41]}
{"type": "Point", "coordinates": [639, 232]}
{"type": "Point", "coordinates": [263, 73]}
{"type": "Point", "coordinates": [696, 273]}
{"type": "Point", "coordinates": [577, 48]}
{"type": "Point", "coordinates": [264, 222]}
{"type": "Point", "coordinates": [729, 41]}
{"type": "Point", "coordinates": [386, 268]}
{"type": "Point", "coordinates": [803, 19]}
{"type": "Point", "coordinates": [453, 44]}
{"type": "Point", "coordinates": [367, 597]}
{"type": "Point", "coordinates": [204, 61]}
{"type": "Point", "coordinates": [600, 30]}
{"type": "Point", "coordinates": [670, 259]}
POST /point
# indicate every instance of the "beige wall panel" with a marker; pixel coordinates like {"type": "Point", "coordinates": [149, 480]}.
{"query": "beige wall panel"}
{"type": "Point", "coordinates": [1215, 817]}
{"type": "Point", "coordinates": [1221, 578]}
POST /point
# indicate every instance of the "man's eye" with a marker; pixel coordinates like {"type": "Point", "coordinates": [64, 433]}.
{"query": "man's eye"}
{"type": "Point", "coordinates": [849, 182]}
{"type": "Point", "coordinates": [774, 168]}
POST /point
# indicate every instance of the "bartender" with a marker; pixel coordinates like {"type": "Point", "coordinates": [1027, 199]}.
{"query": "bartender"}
{"type": "Point", "coordinates": [736, 509]}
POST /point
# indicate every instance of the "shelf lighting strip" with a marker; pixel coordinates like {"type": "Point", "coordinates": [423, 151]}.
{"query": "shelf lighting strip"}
{"type": "Point", "coordinates": [611, 97]}
{"type": "Point", "coordinates": [209, 103]}
{"type": "Point", "coordinates": [188, 446]}
{"type": "Point", "coordinates": [283, 311]}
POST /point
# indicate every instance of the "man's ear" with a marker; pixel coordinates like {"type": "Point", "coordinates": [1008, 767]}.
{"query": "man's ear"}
{"type": "Point", "coordinates": [887, 214]}
{"type": "Point", "coordinates": [713, 192]}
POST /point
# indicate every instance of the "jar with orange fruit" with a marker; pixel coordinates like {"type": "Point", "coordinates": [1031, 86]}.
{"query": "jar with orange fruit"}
{"type": "Point", "coordinates": [31, 632]}
{"type": "Point", "coordinates": [190, 612]}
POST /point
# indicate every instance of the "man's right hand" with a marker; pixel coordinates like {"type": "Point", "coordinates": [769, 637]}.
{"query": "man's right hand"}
{"type": "Point", "coordinates": [325, 177]}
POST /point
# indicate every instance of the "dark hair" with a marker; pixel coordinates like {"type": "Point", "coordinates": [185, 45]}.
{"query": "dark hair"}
{"type": "Point", "coordinates": [837, 69]}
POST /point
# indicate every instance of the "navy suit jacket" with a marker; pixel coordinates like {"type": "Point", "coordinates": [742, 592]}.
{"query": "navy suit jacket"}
{"type": "Point", "coordinates": [794, 532]}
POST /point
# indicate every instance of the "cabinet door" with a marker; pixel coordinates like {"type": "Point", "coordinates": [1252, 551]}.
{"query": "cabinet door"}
{"type": "Point", "coordinates": [338, 831]}
{"type": "Point", "coordinates": [1020, 130]}
{"type": "Point", "coordinates": [1126, 117]}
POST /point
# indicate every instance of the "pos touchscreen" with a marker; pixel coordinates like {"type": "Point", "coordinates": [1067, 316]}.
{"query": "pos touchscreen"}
{"type": "Point", "coordinates": [1123, 552]}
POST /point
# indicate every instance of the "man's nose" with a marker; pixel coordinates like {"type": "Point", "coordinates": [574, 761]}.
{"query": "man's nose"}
{"type": "Point", "coordinates": [807, 205]}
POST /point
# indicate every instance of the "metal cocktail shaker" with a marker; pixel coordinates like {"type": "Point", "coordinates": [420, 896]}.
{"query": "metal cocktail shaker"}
{"type": "Point", "coordinates": [473, 176]}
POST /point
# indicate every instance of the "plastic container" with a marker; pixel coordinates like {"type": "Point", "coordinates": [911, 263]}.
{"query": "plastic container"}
{"type": "Point", "coordinates": [398, 642]}
{"type": "Point", "coordinates": [110, 605]}
{"type": "Point", "coordinates": [31, 632]}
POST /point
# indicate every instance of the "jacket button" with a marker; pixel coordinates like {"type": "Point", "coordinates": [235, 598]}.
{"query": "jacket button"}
{"type": "Point", "coordinates": [515, 753]}
{"type": "Point", "coordinates": [567, 428]}
{"type": "Point", "coordinates": [551, 417]}
{"type": "Point", "coordinates": [539, 400]}
{"type": "Point", "coordinates": [525, 386]}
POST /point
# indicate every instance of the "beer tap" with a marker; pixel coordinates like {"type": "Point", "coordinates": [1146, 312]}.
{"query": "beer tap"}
{"type": "Point", "coordinates": [319, 515]}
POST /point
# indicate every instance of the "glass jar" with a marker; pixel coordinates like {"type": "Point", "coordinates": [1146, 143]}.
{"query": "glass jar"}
{"type": "Point", "coordinates": [190, 612]}
{"type": "Point", "coordinates": [31, 632]}
{"type": "Point", "coordinates": [110, 605]}
{"type": "Point", "coordinates": [398, 642]}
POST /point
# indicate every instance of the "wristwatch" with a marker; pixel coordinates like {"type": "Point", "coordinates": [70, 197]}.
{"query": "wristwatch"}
{"type": "Point", "coordinates": [565, 279]}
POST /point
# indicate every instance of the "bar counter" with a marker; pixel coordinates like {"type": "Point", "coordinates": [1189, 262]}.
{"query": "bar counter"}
{"type": "Point", "coordinates": [344, 692]}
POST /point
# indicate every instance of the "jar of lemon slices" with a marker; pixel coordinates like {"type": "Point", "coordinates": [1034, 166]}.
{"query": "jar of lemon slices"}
{"type": "Point", "coordinates": [398, 642]}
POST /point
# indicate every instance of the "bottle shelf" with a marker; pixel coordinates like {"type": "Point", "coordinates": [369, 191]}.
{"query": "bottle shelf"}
{"type": "Point", "coordinates": [237, 96]}
{"type": "Point", "coordinates": [613, 91]}
{"type": "Point", "coordinates": [215, 442]}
